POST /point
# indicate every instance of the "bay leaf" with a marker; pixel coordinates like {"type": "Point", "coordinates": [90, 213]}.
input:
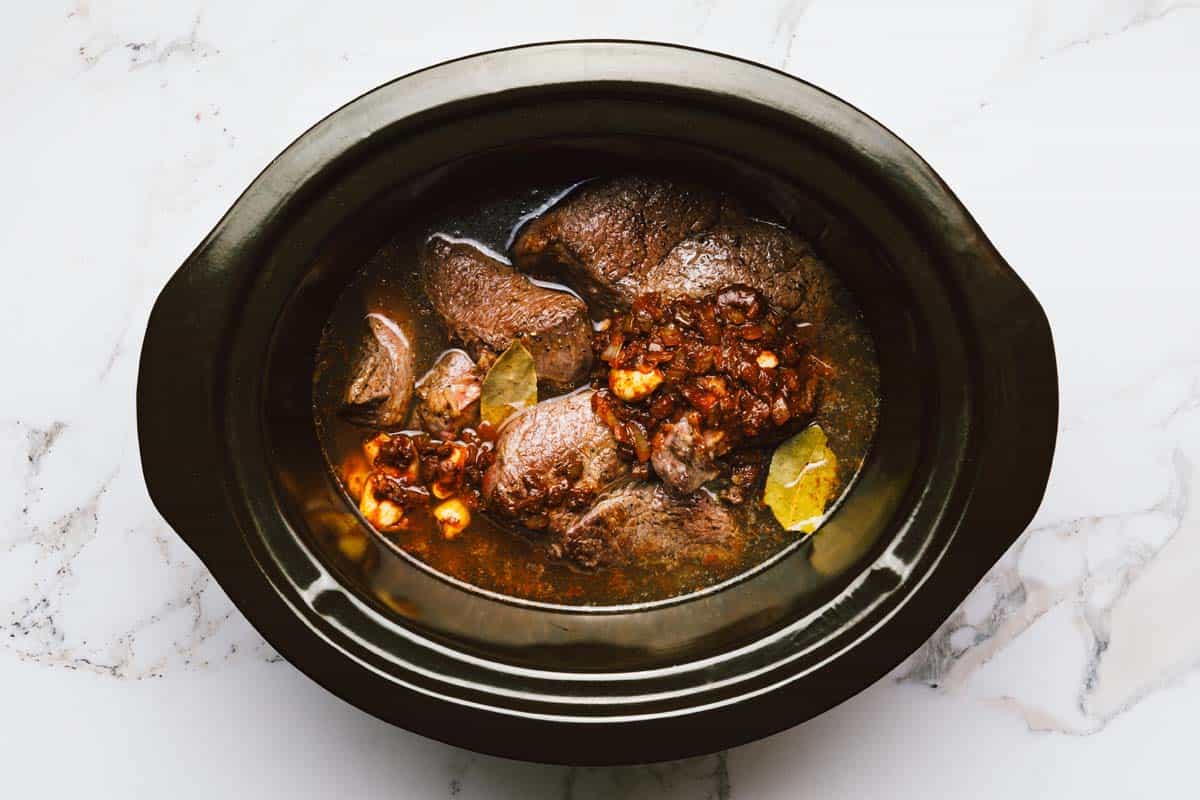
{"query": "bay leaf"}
{"type": "Point", "coordinates": [509, 386]}
{"type": "Point", "coordinates": [801, 480]}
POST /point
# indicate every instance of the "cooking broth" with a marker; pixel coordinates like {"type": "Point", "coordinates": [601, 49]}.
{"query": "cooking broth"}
{"type": "Point", "coordinates": [499, 556]}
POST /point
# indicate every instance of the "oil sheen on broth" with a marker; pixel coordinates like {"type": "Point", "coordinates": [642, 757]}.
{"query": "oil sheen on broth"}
{"type": "Point", "coordinates": [495, 554]}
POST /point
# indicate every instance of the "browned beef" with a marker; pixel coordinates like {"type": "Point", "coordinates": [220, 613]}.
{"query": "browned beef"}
{"type": "Point", "coordinates": [607, 233]}
{"type": "Point", "coordinates": [551, 460]}
{"type": "Point", "coordinates": [618, 238]}
{"type": "Point", "coordinates": [448, 396]}
{"type": "Point", "coordinates": [760, 255]}
{"type": "Point", "coordinates": [381, 381]}
{"type": "Point", "coordinates": [557, 471]}
{"type": "Point", "coordinates": [680, 456]}
{"type": "Point", "coordinates": [487, 304]}
{"type": "Point", "coordinates": [643, 524]}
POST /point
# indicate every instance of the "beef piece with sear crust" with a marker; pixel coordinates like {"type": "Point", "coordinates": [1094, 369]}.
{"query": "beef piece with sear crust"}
{"type": "Point", "coordinates": [551, 460]}
{"type": "Point", "coordinates": [381, 381]}
{"type": "Point", "coordinates": [763, 256]}
{"type": "Point", "coordinates": [448, 396]}
{"type": "Point", "coordinates": [608, 232]}
{"type": "Point", "coordinates": [487, 305]}
{"type": "Point", "coordinates": [643, 524]}
{"type": "Point", "coordinates": [617, 238]}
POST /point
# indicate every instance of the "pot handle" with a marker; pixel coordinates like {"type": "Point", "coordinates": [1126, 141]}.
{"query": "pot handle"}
{"type": "Point", "coordinates": [178, 402]}
{"type": "Point", "coordinates": [1017, 408]}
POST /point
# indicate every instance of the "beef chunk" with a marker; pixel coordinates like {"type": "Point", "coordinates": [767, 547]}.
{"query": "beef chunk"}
{"type": "Point", "coordinates": [551, 461]}
{"type": "Point", "coordinates": [607, 233]}
{"type": "Point", "coordinates": [641, 523]}
{"type": "Point", "coordinates": [618, 238]}
{"type": "Point", "coordinates": [765, 257]}
{"type": "Point", "coordinates": [448, 396]}
{"type": "Point", "coordinates": [486, 304]}
{"type": "Point", "coordinates": [557, 471]}
{"type": "Point", "coordinates": [381, 380]}
{"type": "Point", "coordinates": [680, 456]}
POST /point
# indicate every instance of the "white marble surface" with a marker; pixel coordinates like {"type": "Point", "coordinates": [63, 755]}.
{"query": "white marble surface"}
{"type": "Point", "coordinates": [1068, 128]}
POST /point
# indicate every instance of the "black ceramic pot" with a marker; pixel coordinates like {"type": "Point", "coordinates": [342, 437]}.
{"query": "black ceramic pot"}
{"type": "Point", "coordinates": [957, 470]}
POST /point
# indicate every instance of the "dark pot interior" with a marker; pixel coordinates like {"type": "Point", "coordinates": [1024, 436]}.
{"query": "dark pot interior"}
{"type": "Point", "coordinates": [956, 470]}
{"type": "Point", "coordinates": [632, 637]}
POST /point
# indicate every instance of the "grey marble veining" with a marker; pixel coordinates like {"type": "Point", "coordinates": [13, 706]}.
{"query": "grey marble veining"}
{"type": "Point", "coordinates": [1066, 127]}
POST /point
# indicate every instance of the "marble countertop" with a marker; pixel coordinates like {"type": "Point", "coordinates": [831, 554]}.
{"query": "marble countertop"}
{"type": "Point", "coordinates": [1068, 128]}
